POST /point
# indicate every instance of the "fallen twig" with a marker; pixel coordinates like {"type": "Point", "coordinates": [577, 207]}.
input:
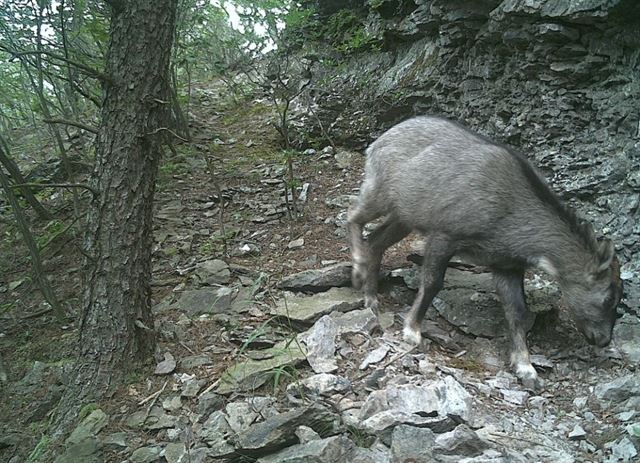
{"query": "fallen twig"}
{"type": "Point", "coordinates": [209, 388]}
{"type": "Point", "coordinates": [153, 396]}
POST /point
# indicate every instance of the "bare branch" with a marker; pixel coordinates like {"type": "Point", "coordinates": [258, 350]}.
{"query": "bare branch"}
{"type": "Point", "coordinates": [87, 69]}
{"type": "Point", "coordinates": [93, 191]}
{"type": "Point", "coordinates": [160, 129]}
{"type": "Point", "coordinates": [72, 123]}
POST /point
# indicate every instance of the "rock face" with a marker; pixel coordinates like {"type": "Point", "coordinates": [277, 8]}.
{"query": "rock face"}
{"type": "Point", "coordinates": [558, 79]}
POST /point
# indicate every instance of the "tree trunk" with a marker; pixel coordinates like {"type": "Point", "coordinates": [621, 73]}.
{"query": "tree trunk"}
{"type": "Point", "coordinates": [116, 331]}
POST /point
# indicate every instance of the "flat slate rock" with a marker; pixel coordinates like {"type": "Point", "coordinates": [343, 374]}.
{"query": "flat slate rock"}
{"type": "Point", "coordinates": [246, 375]}
{"type": "Point", "coordinates": [331, 450]}
{"type": "Point", "coordinates": [627, 338]}
{"type": "Point", "coordinates": [307, 309]}
{"type": "Point", "coordinates": [204, 301]}
{"type": "Point", "coordinates": [278, 431]}
{"type": "Point", "coordinates": [320, 340]}
{"type": "Point", "coordinates": [316, 280]}
{"type": "Point", "coordinates": [474, 312]}
{"type": "Point", "coordinates": [212, 272]}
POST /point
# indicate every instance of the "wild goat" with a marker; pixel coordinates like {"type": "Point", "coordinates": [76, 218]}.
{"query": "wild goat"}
{"type": "Point", "coordinates": [475, 198]}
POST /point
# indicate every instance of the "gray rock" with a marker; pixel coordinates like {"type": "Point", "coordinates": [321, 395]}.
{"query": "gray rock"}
{"type": "Point", "coordinates": [382, 424]}
{"type": "Point", "coordinates": [296, 244]}
{"type": "Point", "coordinates": [308, 309]}
{"type": "Point", "coordinates": [340, 202]}
{"type": "Point", "coordinates": [620, 389]}
{"type": "Point", "coordinates": [317, 280]}
{"type": "Point", "coordinates": [88, 427]}
{"type": "Point", "coordinates": [212, 272]}
{"type": "Point", "coordinates": [409, 443]}
{"type": "Point", "coordinates": [86, 451]}
{"type": "Point", "coordinates": [577, 433]}
{"type": "Point", "coordinates": [474, 312]}
{"type": "Point", "coordinates": [444, 398]}
{"type": "Point", "coordinates": [214, 432]}
{"type": "Point", "coordinates": [172, 404]}
{"type": "Point", "coordinates": [439, 406]}
{"type": "Point", "coordinates": [176, 453]}
{"type": "Point", "coordinates": [626, 338]}
{"type": "Point", "coordinates": [462, 442]}
{"type": "Point", "coordinates": [355, 321]}
{"type": "Point", "coordinates": [146, 455]}
{"type": "Point", "coordinates": [191, 387]}
{"type": "Point", "coordinates": [154, 420]}
{"type": "Point", "coordinates": [320, 339]}
{"type": "Point", "coordinates": [321, 384]}
{"type": "Point", "coordinates": [306, 434]}
{"type": "Point", "coordinates": [278, 431]}
{"type": "Point", "coordinates": [375, 356]}
{"type": "Point", "coordinates": [249, 374]}
{"type": "Point", "coordinates": [514, 396]}
{"type": "Point", "coordinates": [622, 451]}
{"type": "Point", "coordinates": [205, 301]}
{"type": "Point", "coordinates": [626, 416]}
{"type": "Point", "coordinates": [377, 453]}
{"type": "Point", "coordinates": [331, 450]}
{"type": "Point", "coordinates": [241, 415]}
{"type": "Point", "coordinates": [116, 441]}
{"type": "Point", "coordinates": [194, 361]}
{"type": "Point", "coordinates": [209, 402]}
{"type": "Point", "coordinates": [167, 366]}
{"type": "Point", "coordinates": [580, 403]}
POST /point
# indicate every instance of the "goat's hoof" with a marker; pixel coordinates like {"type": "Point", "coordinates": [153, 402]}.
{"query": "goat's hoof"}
{"type": "Point", "coordinates": [371, 302]}
{"type": "Point", "coordinates": [529, 377]}
{"type": "Point", "coordinates": [411, 335]}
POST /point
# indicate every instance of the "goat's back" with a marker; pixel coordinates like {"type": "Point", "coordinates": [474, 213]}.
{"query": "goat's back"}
{"type": "Point", "coordinates": [435, 174]}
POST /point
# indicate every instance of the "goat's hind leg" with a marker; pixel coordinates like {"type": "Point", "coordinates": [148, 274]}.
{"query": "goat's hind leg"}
{"type": "Point", "coordinates": [510, 287]}
{"type": "Point", "coordinates": [437, 252]}
{"type": "Point", "coordinates": [387, 234]}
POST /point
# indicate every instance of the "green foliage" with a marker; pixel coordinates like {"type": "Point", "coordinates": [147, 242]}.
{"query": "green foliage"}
{"type": "Point", "coordinates": [281, 376]}
{"type": "Point", "coordinates": [87, 410]}
{"type": "Point", "coordinates": [346, 31]}
{"type": "Point", "coordinates": [216, 243]}
{"type": "Point", "coordinates": [6, 307]}
{"type": "Point", "coordinates": [39, 450]}
{"type": "Point", "coordinates": [51, 231]}
{"type": "Point", "coordinates": [360, 438]}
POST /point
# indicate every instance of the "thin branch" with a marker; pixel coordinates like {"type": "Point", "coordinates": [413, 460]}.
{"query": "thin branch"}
{"type": "Point", "coordinates": [93, 191]}
{"type": "Point", "coordinates": [168, 130]}
{"type": "Point", "coordinates": [72, 123]}
{"type": "Point", "coordinates": [87, 69]}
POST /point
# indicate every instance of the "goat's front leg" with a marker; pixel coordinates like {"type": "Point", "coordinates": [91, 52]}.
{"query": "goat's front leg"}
{"type": "Point", "coordinates": [510, 287]}
{"type": "Point", "coordinates": [437, 253]}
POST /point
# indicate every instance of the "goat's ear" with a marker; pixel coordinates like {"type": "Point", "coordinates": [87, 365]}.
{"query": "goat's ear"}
{"type": "Point", "coordinates": [606, 253]}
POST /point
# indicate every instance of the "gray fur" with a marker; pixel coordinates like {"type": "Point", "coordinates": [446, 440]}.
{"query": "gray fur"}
{"type": "Point", "coordinates": [472, 197]}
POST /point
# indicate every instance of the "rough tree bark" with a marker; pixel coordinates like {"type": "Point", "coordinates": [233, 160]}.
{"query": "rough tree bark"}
{"type": "Point", "coordinates": [116, 331]}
